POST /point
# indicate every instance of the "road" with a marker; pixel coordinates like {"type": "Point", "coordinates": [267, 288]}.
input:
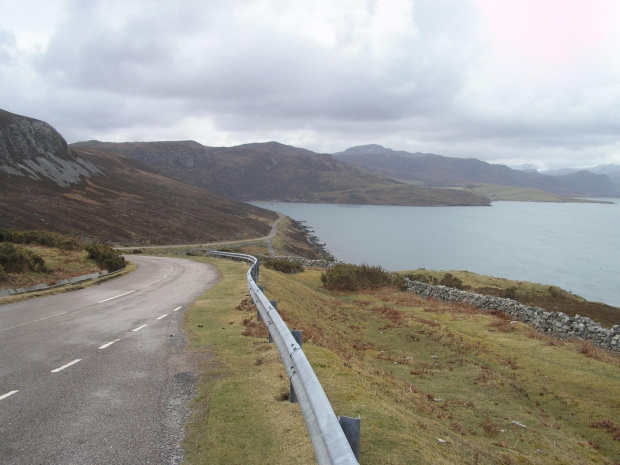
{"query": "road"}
{"type": "Point", "coordinates": [272, 234]}
{"type": "Point", "coordinates": [267, 238]}
{"type": "Point", "coordinates": [97, 376]}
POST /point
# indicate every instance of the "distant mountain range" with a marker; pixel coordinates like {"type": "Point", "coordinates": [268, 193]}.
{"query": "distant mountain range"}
{"type": "Point", "coordinates": [612, 171]}
{"type": "Point", "coordinates": [274, 171]}
{"type": "Point", "coordinates": [435, 170]}
{"type": "Point", "coordinates": [46, 184]}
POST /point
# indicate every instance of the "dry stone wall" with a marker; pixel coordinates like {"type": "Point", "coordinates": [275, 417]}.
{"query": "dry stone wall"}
{"type": "Point", "coordinates": [557, 324]}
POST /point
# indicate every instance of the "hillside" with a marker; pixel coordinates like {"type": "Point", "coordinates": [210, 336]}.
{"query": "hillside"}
{"type": "Point", "coordinates": [88, 193]}
{"type": "Point", "coordinates": [433, 382]}
{"type": "Point", "coordinates": [273, 171]}
{"type": "Point", "coordinates": [436, 170]}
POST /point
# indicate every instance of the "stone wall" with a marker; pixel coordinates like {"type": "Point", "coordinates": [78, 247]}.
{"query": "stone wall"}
{"type": "Point", "coordinates": [319, 263]}
{"type": "Point", "coordinates": [556, 324]}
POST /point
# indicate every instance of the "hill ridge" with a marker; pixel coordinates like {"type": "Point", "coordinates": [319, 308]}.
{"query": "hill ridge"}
{"type": "Point", "coordinates": [276, 171]}
{"type": "Point", "coordinates": [441, 171]}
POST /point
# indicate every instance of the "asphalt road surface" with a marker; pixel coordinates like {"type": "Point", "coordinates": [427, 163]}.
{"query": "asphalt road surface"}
{"type": "Point", "coordinates": [96, 376]}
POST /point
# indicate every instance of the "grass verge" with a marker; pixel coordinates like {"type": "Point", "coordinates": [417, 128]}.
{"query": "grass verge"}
{"type": "Point", "coordinates": [241, 412]}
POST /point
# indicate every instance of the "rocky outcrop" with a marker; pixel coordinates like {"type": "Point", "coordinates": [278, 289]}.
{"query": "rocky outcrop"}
{"type": "Point", "coordinates": [557, 324]}
{"type": "Point", "coordinates": [33, 148]}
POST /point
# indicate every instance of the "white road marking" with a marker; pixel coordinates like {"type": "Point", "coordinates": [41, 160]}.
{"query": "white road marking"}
{"type": "Point", "coordinates": [115, 297]}
{"type": "Point", "coordinates": [67, 365]}
{"type": "Point", "coordinates": [171, 269]}
{"type": "Point", "coordinates": [34, 321]}
{"type": "Point", "coordinates": [160, 317]}
{"type": "Point", "coordinates": [139, 328]}
{"type": "Point", "coordinates": [177, 309]}
{"type": "Point", "coordinates": [4, 396]}
{"type": "Point", "coordinates": [105, 346]}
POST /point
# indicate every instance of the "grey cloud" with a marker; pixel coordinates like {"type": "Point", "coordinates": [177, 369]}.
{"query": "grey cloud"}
{"type": "Point", "coordinates": [247, 66]}
{"type": "Point", "coordinates": [250, 71]}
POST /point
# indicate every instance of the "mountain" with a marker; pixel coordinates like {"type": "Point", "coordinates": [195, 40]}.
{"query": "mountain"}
{"type": "Point", "coordinates": [612, 171]}
{"type": "Point", "coordinates": [436, 170]}
{"type": "Point", "coordinates": [528, 167]}
{"type": "Point", "coordinates": [274, 171]}
{"type": "Point", "coordinates": [44, 183]}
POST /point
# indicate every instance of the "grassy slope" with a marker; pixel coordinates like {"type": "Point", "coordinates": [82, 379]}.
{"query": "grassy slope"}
{"type": "Point", "coordinates": [389, 357]}
{"type": "Point", "coordinates": [519, 194]}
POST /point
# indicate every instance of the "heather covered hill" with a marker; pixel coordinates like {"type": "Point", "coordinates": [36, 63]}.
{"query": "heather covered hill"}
{"type": "Point", "coordinates": [45, 184]}
{"type": "Point", "coordinates": [273, 171]}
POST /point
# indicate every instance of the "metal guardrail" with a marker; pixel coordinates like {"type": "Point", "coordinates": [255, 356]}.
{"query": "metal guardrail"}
{"type": "Point", "coordinates": [331, 446]}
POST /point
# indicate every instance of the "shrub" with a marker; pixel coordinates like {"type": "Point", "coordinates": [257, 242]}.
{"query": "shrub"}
{"type": "Point", "coordinates": [284, 266]}
{"type": "Point", "coordinates": [2, 273]}
{"type": "Point", "coordinates": [558, 293]}
{"type": "Point", "coordinates": [106, 257]}
{"type": "Point", "coordinates": [423, 278]}
{"type": "Point", "coordinates": [45, 238]}
{"type": "Point", "coordinates": [449, 280]}
{"type": "Point", "coordinates": [18, 260]}
{"type": "Point", "coordinates": [136, 251]}
{"type": "Point", "coordinates": [511, 293]}
{"type": "Point", "coordinates": [346, 277]}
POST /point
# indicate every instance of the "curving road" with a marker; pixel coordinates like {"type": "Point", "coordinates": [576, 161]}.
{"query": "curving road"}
{"type": "Point", "coordinates": [97, 376]}
{"type": "Point", "coordinates": [267, 238]}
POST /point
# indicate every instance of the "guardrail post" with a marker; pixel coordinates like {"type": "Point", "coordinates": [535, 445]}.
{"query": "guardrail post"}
{"type": "Point", "coordinates": [298, 336]}
{"type": "Point", "coordinates": [352, 430]}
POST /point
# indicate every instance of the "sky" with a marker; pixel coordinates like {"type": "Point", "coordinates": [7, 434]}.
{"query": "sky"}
{"type": "Point", "coordinates": [505, 81]}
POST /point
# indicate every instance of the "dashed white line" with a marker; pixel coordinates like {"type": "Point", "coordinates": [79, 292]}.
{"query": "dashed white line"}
{"type": "Point", "coordinates": [105, 346]}
{"type": "Point", "coordinates": [177, 309]}
{"type": "Point", "coordinates": [67, 365]}
{"type": "Point", "coordinates": [116, 297]}
{"type": "Point", "coordinates": [34, 321]}
{"type": "Point", "coordinates": [160, 317]}
{"type": "Point", "coordinates": [139, 328]}
{"type": "Point", "coordinates": [4, 396]}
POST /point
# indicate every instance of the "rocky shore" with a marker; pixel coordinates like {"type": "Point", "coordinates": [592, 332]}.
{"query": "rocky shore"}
{"type": "Point", "coordinates": [308, 233]}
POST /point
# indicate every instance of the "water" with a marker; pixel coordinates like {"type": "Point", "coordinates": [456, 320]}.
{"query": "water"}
{"type": "Point", "coordinates": [575, 246]}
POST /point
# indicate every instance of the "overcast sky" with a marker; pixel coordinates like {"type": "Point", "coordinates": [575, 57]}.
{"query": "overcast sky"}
{"type": "Point", "coordinates": [508, 81]}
